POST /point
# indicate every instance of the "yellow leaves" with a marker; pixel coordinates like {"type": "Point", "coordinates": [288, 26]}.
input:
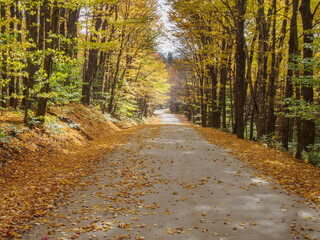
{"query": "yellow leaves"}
{"type": "Point", "coordinates": [50, 171]}
{"type": "Point", "coordinates": [175, 230]}
{"type": "Point", "coordinates": [254, 224]}
{"type": "Point", "coordinates": [153, 206]}
{"type": "Point", "coordinates": [190, 186]}
{"type": "Point", "coordinates": [296, 177]}
{"type": "Point", "coordinates": [203, 214]}
{"type": "Point", "coordinates": [308, 237]}
{"type": "Point", "coordinates": [124, 225]}
{"type": "Point", "coordinates": [167, 212]}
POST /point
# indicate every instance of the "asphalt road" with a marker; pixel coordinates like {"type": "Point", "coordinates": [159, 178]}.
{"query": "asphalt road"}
{"type": "Point", "coordinates": [170, 183]}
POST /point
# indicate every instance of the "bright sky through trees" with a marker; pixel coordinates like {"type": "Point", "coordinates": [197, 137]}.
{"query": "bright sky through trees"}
{"type": "Point", "coordinates": [166, 42]}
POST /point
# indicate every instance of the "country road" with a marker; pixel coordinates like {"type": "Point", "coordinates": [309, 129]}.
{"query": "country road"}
{"type": "Point", "coordinates": [168, 182]}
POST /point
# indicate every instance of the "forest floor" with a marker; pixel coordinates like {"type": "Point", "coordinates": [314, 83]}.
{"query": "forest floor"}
{"type": "Point", "coordinates": [161, 182]}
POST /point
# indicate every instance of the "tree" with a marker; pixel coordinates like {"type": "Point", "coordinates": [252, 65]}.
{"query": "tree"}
{"type": "Point", "coordinates": [287, 123]}
{"type": "Point", "coordinates": [307, 136]}
{"type": "Point", "coordinates": [52, 19]}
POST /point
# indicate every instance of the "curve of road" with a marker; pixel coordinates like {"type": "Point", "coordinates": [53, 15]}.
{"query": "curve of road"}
{"type": "Point", "coordinates": [170, 183]}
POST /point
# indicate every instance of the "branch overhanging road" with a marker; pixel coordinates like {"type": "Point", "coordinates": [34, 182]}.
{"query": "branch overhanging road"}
{"type": "Point", "coordinates": [168, 182]}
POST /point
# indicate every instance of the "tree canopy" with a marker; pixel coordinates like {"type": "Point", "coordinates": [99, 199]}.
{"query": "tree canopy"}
{"type": "Point", "coordinates": [250, 67]}
{"type": "Point", "coordinates": [55, 52]}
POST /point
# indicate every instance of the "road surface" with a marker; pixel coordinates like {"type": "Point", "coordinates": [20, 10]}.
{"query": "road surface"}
{"type": "Point", "coordinates": [169, 183]}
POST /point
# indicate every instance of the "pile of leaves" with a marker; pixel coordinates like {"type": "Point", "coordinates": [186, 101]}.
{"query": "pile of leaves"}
{"type": "Point", "coordinates": [296, 177]}
{"type": "Point", "coordinates": [35, 179]}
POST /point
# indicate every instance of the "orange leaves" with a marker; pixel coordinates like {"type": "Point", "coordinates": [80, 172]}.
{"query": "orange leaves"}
{"type": "Point", "coordinates": [296, 177]}
{"type": "Point", "coordinates": [175, 230]}
{"type": "Point", "coordinates": [167, 212]}
{"type": "Point", "coordinates": [30, 185]}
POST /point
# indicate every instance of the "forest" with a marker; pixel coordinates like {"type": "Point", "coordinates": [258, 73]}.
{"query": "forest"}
{"type": "Point", "coordinates": [102, 53]}
{"type": "Point", "coordinates": [107, 132]}
{"type": "Point", "coordinates": [247, 67]}
{"type": "Point", "coordinates": [250, 68]}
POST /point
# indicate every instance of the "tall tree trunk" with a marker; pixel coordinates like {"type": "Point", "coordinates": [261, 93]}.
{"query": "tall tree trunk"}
{"type": "Point", "coordinates": [260, 115]}
{"type": "Point", "coordinates": [203, 106]}
{"type": "Point", "coordinates": [99, 85]}
{"type": "Point", "coordinates": [51, 26]}
{"type": "Point", "coordinates": [115, 76]}
{"type": "Point", "coordinates": [91, 71]}
{"type": "Point", "coordinates": [253, 90]}
{"type": "Point", "coordinates": [307, 135]}
{"type": "Point", "coordinates": [4, 70]}
{"type": "Point", "coordinates": [223, 81]}
{"type": "Point", "coordinates": [32, 39]}
{"type": "Point", "coordinates": [72, 21]}
{"type": "Point", "coordinates": [19, 39]}
{"type": "Point", "coordinates": [62, 29]}
{"type": "Point", "coordinates": [216, 111]}
{"type": "Point", "coordinates": [42, 24]}
{"type": "Point", "coordinates": [287, 123]}
{"type": "Point", "coordinates": [12, 84]}
{"type": "Point", "coordinates": [239, 88]}
{"type": "Point", "coordinates": [275, 65]}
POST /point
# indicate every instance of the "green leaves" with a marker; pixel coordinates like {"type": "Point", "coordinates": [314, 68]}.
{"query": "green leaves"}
{"type": "Point", "coordinates": [301, 109]}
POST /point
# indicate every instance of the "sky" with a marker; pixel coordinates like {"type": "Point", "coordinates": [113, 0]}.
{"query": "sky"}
{"type": "Point", "coordinates": [166, 44]}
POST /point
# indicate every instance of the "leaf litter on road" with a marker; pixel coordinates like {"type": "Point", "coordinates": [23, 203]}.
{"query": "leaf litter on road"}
{"type": "Point", "coordinates": [296, 177]}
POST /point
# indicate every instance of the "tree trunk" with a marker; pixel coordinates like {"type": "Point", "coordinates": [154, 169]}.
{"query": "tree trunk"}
{"type": "Point", "coordinates": [62, 29]}
{"type": "Point", "coordinates": [4, 73]}
{"type": "Point", "coordinates": [19, 38]}
{"type": "Point", "coordinates": [260, 115]}
{"type": "Point", "coordinates": [287, 123]}
{"type": "Point", "coordinates": [239, 88]}
{"type": "Point", "coordinates": [72, 31]}
{"type": "Point", "coordinates": [275, 65]}
{"type": "Point", "coordinates": [91, 71]}
{"type": "Point", "coordinates": [51, 26]}
{"type": "Point", "coordinates": [223, 82]}
{"type": "Point", "coordinates": [216, 112]}
{"type": "Point", "coordinates": [308, 126]}
{"type": "Point", "coordinates": [12, 84]}
{"type": "Point", "coordinates": [32, 38]}
{"type": "Point", "coordinates": [203, 105]}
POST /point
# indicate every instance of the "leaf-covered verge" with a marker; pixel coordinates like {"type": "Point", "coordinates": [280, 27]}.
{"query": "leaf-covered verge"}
{"type": "Point", "coordinates": [40, 166]}
{"type": "Point", "coordinates": [296, 177]}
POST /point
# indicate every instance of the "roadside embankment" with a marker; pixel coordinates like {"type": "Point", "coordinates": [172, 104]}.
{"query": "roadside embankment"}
{"type": "Point", "coordinates": [40, 166]}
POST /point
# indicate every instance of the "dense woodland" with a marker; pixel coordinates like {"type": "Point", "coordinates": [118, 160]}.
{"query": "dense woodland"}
{"type": "Point", "coordinates": [248, 67]}
{"type": "Point", "coordinates": [102, 53]}
{"type": "Point", "coordinates": [251, 68]}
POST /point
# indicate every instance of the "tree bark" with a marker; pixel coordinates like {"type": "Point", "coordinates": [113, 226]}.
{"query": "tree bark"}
{"type": "Point", "coordinates": [216, 111]}
{"type": "Point", "coordinates": [12, 84]}
{"type": "Point", "coordinates": [287, 123]}
{"type": "Point", "coordinates": [275, 65]}
{"type": "Point", "coordinates": [32, 38]}
{"type": "Point", "coordinates": [4, 73]}
{"type": "Point", "coordinates": [261, 82]}
{"type": "Point", "coordinates": [239, 88]}
{"type": "Point", "coordinates": [223, 81]}
{"type": "Point", "coordinates": [91, 71]}
{"type": "Point", "coordinates": [307, 136]}
{"type": "Point", "coordinates": [52, 25]}
{"type": "Point", "coordinates": [71, 26]}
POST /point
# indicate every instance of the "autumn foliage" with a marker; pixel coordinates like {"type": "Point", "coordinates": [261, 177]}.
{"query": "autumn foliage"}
{"type": "Point", "coordinates": [47, 167]}
{"type": "Point", "coordinates": [296, 177]}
